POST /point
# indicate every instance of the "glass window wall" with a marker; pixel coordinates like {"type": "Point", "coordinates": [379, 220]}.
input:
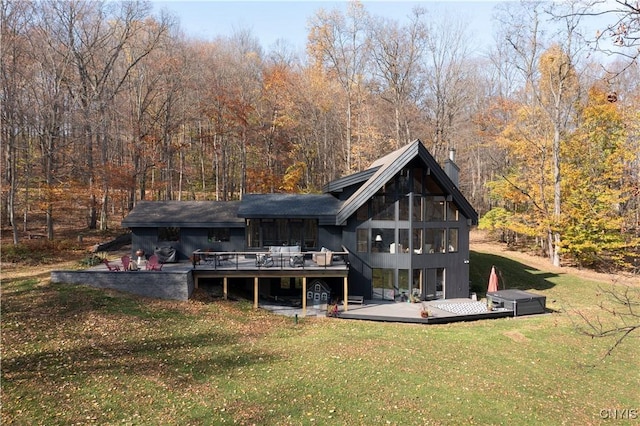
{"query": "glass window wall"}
{"type": "Point", "coordinates": [453, 240]}
{"type": "Point", "coordinates": [434, 241]}
{"type": "Point", "coordinates": [435, 207]}
{"type": "Point", "coordinates": [452, 212]}
{"type": "Point", "coordinates": [383, 285]}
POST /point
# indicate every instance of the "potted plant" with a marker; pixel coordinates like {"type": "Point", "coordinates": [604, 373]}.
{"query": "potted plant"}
{"type": "Point", "coordinates": [332, 310]}
{"type": "Point", "coordinates": [424, 312]}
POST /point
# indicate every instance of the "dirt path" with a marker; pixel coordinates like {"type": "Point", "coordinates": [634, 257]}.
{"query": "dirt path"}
{"type": "Point", "coordinates": [481, 243]}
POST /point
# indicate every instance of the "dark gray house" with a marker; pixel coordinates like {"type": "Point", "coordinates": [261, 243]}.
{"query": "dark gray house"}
{"type": "Point", "coordinates": [403, 222]}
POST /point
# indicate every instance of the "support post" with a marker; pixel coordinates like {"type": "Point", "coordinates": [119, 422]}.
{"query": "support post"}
{"type": "Point", "coordinates": [304, 296]}
{"type": "Point", "coordinates": [225, 289]}
{"type": "Point", "coordinates": [346, 294]}
{"type": "Point", "coordinates": [255, 293]}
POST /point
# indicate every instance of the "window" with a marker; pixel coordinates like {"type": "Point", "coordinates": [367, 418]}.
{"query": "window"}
{"type": "Point", "coordinates": [362, 240]}
{"type": "Point", "coordinates": [404, 208]}
{"type": "Point", "coordinates": [403, 239]}
{"type": "Point", "coordinates": [403, 283]}
{"type": "Point", "coordinates": [383, 207]}
{"type": "Point", "coordinates": [288, 283]}
{"type": "Point", "coordinates": [434, 240]}
{"type": "Point", "coordinates": [253, 233]}
{"type": "Point", "coordinates": [276, 232]}
{"type": "Point", "coordinates": [418, 179]}
{"type": "Point", "coordinates": [435, 209]}
{"type": "Point", "coordinates": [418, 211]}
{"type": "Point", "coordinates": [452, 212]}
{"type": "Point", "coordinates": [403, 182]}
{"type": "Point", "coordinates": [416, 282]}
{"type": "Point", "coordinates": [363, 212]}
{"type": "Point", "coordinates": [435, 283]}
{"type": "Point", "coordinates": [417, 241]}
{"type": "Point", "coordinates": [310, 233]}
{"type": "Point", "coordinates": [218, 234]}
{"type": "Point", "coordinates": [170, 233]}
{"type": "Point", "coordinates": [382, 281]}
{"type": "Point", "coordinates": [269, 233]}
{"type": "Point", "coordinates": [383, 240]}
{"type": "Point", "coordinates": [453, 240]}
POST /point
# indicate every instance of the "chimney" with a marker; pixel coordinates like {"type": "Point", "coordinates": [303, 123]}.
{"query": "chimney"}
{"type": "Point", "coordinates": [450, 167]}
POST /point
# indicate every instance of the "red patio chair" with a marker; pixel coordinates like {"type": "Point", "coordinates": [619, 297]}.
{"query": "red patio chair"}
{"type": "Point", "coordinates": [126, 262]}
{"type": "Point", "coordinates": [153, 264]}
{"type": "Point", "coordinates": [110, 267]}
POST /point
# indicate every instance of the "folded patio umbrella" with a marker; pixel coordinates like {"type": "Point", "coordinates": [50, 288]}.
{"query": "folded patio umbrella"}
{"type": "Point", "coordinates": [493, 281]}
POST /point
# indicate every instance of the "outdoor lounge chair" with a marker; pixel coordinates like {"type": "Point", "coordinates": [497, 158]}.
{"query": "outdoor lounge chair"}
{"type": "Point", "coordinates": [110, 267]}
{"type": "Point", "coordinates": [153, 264]}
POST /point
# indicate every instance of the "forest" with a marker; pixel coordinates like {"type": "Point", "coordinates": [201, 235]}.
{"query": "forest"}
{"type": "Point", "coordinates": [106, 103]}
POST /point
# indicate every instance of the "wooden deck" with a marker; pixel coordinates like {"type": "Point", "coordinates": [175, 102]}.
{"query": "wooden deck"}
{"type": "Point", "coordinates": [439, 313]}
{"type": "Point", "coordinates": [178, 280]}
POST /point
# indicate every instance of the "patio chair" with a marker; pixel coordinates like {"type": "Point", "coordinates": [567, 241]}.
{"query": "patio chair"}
{"type": "Point", "coordinates": [296, 260]}
{"type": "Point", "coordinates": [324, 258]}
{"type": "Point", "coordinates": [112, 268]}
{"type": "Point", "coordinates": [153, 264]}
{"type": "Point", "coordinates": [126, 262]}
{"type": "Point", "coordinates": [264, 260]}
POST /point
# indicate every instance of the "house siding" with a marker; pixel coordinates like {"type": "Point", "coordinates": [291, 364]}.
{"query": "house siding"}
{"type": "Point", "coordinates": [191, 239]}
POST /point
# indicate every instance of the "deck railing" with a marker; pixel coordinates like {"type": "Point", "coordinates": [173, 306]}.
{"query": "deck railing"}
{"type": "Point", "coordinates": [268, 260]}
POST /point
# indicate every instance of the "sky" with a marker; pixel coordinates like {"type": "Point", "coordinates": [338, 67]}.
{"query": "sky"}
{"type": "Point", "coordinates": [270, 21]}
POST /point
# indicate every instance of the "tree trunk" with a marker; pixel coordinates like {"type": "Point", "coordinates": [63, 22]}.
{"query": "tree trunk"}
{"type": "Point", "coordinates": [556, 195]}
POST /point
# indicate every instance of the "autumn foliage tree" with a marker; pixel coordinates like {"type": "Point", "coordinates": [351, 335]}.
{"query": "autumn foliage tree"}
{"type": "Point", "coordinates": [597, 186]}
{"type": "Point", "coordinates": [108, 103]}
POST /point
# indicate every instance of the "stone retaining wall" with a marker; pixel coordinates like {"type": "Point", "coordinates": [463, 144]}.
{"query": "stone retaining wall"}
{"type": "Point", "coordinates": [176, 285]}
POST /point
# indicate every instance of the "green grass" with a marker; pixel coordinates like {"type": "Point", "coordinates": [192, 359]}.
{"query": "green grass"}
{"type": "Point", "coordinates": [76, 355]}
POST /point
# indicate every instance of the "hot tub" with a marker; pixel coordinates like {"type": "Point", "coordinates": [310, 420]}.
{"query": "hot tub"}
{"type": "Point", "coordinates": [520, 302]}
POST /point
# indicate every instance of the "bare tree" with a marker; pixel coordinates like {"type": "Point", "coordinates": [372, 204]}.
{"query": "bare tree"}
{"type": "Point", "coordinates": [621, 35]}
{"type": "Point", "coordinates": [619, 317]}
{"type": "Point", "coordinates": [13, 59]}
{"type": "Point", "coordinates": [339, 43]}
{"type": "Point", "coordinates": [445, 78]}
{"type": "Point", "coordinates": [397, 52]}
{"type": "Point", "coordinates": [99, 35]}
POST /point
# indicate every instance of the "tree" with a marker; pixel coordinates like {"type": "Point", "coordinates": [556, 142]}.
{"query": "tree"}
{"type": "Point", "coordinates": [338, 43]}
{"type": "Point", "coordinates": [445, 78]}
{"type": "Point", "coordinates": [596, 186]}
{"type": "Point", "coordinates": [621, 36]}
{"type": "Point", "coordinates": [551, 82]}
{"type": "Point", "coordinates": [14, 81]}
{"type": "Point", "coordinates": [619, 319]}
{"type": "Point", "coordinates": [99, 37]}
{"type": "Point", "coordinates": [397, 52]}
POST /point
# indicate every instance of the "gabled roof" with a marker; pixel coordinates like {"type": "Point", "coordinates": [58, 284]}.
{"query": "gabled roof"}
{"type": "Point", "coordinates": [193, 214]}
{"type": "Point", "coordinates": [388, 166]}
{"type": "Point", "coordinates": [340, 184]}
{"type": "Point", "coordinates": [302, 206]}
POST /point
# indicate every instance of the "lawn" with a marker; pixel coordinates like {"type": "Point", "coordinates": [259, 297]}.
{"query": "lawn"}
{"type": "Point", "coordinates": [76, 355]}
